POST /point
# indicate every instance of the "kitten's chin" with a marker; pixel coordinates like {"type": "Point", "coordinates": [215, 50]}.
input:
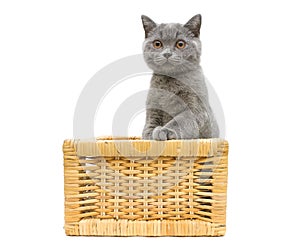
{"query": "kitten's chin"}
{"type": "Point", "coordinates": [168, 69]}
{"type": "Point", "coordinates": [171, 68]}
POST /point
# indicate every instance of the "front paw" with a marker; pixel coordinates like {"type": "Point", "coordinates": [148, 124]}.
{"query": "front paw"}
{"type": "Point", "coordinates": [162, 134]}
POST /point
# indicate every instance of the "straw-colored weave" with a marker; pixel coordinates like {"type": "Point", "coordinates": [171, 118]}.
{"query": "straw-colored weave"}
{"type": "Point", "coordinates": [128, 187]}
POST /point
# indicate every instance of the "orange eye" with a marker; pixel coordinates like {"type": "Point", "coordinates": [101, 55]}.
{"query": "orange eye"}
{"type": "Point", "coordinates": [157, 44]}
{"type": "Point", "coordinates": [180, 44]}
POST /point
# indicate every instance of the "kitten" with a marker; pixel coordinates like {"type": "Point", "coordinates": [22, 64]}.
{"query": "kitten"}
{"type": "Point", "coordinates": [177, 105]}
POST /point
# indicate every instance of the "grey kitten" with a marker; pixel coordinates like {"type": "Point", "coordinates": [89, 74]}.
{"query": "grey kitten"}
{"type": "Point", "coordinates": [177, 105]}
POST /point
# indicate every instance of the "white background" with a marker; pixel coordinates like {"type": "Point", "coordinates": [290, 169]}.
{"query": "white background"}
{"type": "Point", "coordinates": [50, 49]}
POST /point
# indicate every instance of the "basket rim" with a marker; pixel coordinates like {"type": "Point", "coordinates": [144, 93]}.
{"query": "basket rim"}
{"type": "Point", "coordinates": [135, 146]}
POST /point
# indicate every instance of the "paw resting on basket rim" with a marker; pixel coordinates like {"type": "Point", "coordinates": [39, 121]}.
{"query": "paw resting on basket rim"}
{"type": "Point", "coordinates": [162, 133]}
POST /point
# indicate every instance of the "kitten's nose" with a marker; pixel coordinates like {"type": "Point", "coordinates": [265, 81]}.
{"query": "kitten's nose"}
{"type": "Point", "coordinates": [167, 54]}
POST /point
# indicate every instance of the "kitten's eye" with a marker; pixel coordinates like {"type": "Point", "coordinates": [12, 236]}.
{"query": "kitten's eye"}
{"type": "Point", "coordinates": [157, 44]}
{"type": "Point", "coordinates": [180, 44]}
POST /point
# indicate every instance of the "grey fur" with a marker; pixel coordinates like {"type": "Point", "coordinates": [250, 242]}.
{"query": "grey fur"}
{"type": "Point", "coordinates": [177, 105]}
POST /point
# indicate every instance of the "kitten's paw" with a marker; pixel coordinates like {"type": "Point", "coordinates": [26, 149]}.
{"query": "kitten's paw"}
{"type": "Point", "coordinates": [158, 134]}
{"type": "Point", "coordinates": [162, 134]}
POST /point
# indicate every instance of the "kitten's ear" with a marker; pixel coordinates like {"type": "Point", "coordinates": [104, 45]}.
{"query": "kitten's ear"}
{"type": "Point", "coordinates": [148, 25]}
{"type": "Point", "coordinates": [194, 25]}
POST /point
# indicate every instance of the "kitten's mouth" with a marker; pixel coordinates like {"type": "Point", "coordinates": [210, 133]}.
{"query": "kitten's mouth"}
{"type": "Point", "coordinates": [160, 61]}
{"type": "Point", "coordinates": [165, 61]}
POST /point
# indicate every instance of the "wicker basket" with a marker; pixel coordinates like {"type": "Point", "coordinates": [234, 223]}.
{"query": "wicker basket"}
{"type": "Point", "coordinates": [133, 187]}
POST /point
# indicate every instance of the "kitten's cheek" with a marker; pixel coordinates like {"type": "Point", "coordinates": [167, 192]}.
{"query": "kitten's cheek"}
{"type": "Point", "coordinates": [152, 65]}
{"type": "Point", "coordinates": [149, 61]}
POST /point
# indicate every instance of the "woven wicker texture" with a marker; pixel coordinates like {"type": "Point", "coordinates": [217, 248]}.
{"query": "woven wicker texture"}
{"type": "Point", "coordinates": [128, 186]}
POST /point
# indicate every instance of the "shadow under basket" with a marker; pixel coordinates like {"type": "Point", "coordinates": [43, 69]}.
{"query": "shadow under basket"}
{"type": "Point", "coordinates": [134, 187]}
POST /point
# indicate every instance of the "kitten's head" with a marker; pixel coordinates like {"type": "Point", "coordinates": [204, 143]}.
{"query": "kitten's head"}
{"type": "Point", "coordinates": [172, 48]}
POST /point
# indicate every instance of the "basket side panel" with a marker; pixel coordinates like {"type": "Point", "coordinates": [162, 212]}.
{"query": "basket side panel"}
{"type": "Point", "coordinates": [180, 195]}
{"type": "Point", "coordinates": [71, 188]}
{"type": "Point", "coordinates": [219, 190]}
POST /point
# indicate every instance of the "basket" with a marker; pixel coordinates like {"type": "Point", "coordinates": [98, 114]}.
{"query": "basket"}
{"type": "Point", "coordinates": [134, 187]}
